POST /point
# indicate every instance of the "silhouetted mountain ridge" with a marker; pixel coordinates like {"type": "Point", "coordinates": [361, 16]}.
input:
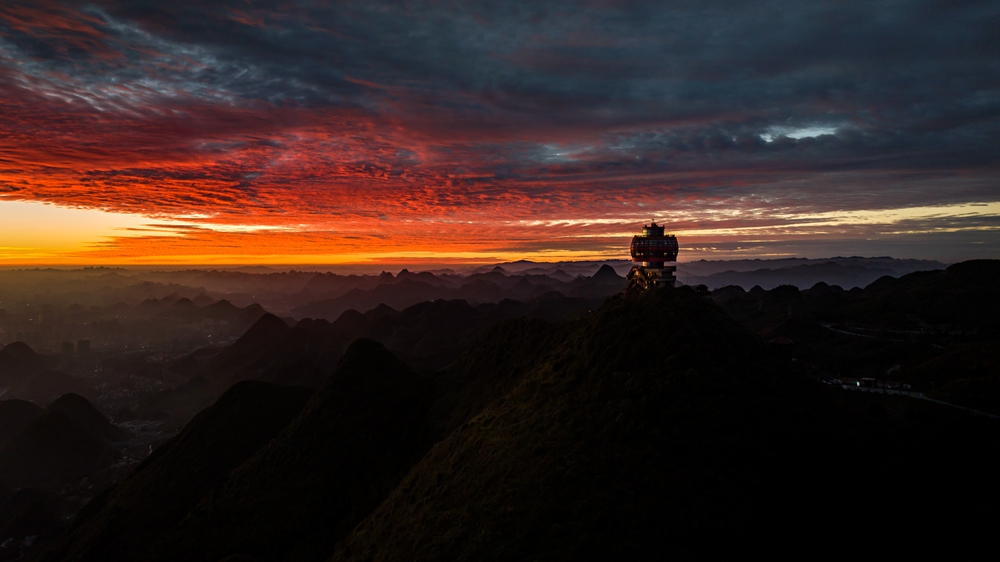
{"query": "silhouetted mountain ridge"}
{"type": "Point", "coordinates": [935, 329]}
{"type": "Point", "coordinates": [350, 445]}
{"type": "Point", "coordinates": [25, 375]}
{"type": "Point", "coordinates": [655, 426]}
{"type": "Point", "coordinates": [52, 451]}
{"type": "Point", "coordinates": [124, 523]}
{"type": "Point", "coordinates": [430, 334]}
{"type": "Point", "coordinates": [87, 417]}
{"type": "Point", "coordinates": [800, 272]}
{"type": "Point", "coordinates": [478, 288]}
{"type": "Point", "coordinates": [17, 362]}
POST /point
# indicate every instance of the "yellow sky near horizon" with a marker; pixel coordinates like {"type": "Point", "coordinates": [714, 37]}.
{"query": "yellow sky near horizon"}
{"type": "Point", "coordinates": [34, 233]}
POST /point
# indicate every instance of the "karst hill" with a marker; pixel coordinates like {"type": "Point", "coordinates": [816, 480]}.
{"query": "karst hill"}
{"type": "Point", "coordinates": [654, 426]}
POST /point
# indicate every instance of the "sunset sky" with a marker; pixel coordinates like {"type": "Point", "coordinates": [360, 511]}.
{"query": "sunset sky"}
{"type": "Point", "coordinates": [295, 131]}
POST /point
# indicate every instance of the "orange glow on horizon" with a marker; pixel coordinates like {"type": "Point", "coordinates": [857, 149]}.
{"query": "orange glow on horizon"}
{"type": "Point", "coordinates": [335, 136]}
{"type": "Point", "coordinates": [35, 234]}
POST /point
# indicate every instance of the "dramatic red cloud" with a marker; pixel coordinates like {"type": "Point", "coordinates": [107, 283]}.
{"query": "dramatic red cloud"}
{"type": "Point", "coordinates": [252, 133]}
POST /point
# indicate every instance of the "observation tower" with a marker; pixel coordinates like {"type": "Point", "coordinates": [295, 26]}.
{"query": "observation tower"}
{"type": "Point", "coordinates": [656, 253]}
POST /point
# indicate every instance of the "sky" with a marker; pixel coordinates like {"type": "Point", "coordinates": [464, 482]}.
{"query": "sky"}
{"type": "Point", "coordinates": [307, 131]}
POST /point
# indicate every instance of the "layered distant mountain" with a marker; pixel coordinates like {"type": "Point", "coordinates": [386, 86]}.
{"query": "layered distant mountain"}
{"type": "Point", "coordinates": [430, 334]}
{"type": "Point", "coordinates": [407, 289]}
{"type": "Point", "coordinates": [174, 307]}
{"type": "Point", "coordinates": [803, 273]}
{"type": "Point", "coordinates": [80, 296]}
{"type": "Point", "coordinates": [655, 426]}
{"type": "Point", "coordinates": [527, 280]}
{"type": "Point", "coordinates": [605, 425]}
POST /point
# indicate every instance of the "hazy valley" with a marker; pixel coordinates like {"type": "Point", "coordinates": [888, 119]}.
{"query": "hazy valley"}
{"type": "Point", "coordinates": [500, 414]}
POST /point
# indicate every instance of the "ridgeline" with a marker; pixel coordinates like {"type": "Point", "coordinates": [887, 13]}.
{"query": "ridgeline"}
{"type": "Point", "coordinates": [655, 426]}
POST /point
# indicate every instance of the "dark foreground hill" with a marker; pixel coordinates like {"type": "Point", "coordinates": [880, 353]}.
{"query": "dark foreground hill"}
{"type": "Point", "coordinates": [426, 336]}
{"type": "Point", "coordinates": [52, 461]}
{"type": "Point", "coordinates": [936, 331]}
{"type": "Point", "coordinates": [656, 426]}
{"type": "Point", "coordinates": [352, 443]}
{"type": "Point", "coordinates": [53, 451]}
{"type": "Point", "coordinates": [23, 513]}
{"type": "Point", "coordinates": [55, 447]}
{"type": "Point", "coordinates": [673, 432]}
{"type": "Point", "coordinates": [121, 524]}
{"type": "Point", "coordinates": [15, 415]}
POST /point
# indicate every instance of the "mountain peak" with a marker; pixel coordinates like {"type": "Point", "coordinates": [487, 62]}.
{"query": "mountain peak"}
{"type": "Point", "coordinates": [17, 349]}
{"type": "Point", "coordinates": [267, 325]}
{"type": "Point", "coordinates": [366, 354]}
{"type": "Point", "coordinates": [182, 304]}
{"type": "Point", "coordinates": [18, 359]}
{"type": "Point", "coordinates": [203, 300]}
{"type": "Point", "coordinates": [607, 273]}
{"type": "Point", "coordinates": [87, 417]}
{"type": "Point", "coordinates": [362, 429]}
{"type": "Point", "coordinates": [53, 449]}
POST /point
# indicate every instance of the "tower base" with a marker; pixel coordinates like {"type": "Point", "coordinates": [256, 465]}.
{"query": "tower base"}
{"type": "Point", "coordinates": [642, 278]}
